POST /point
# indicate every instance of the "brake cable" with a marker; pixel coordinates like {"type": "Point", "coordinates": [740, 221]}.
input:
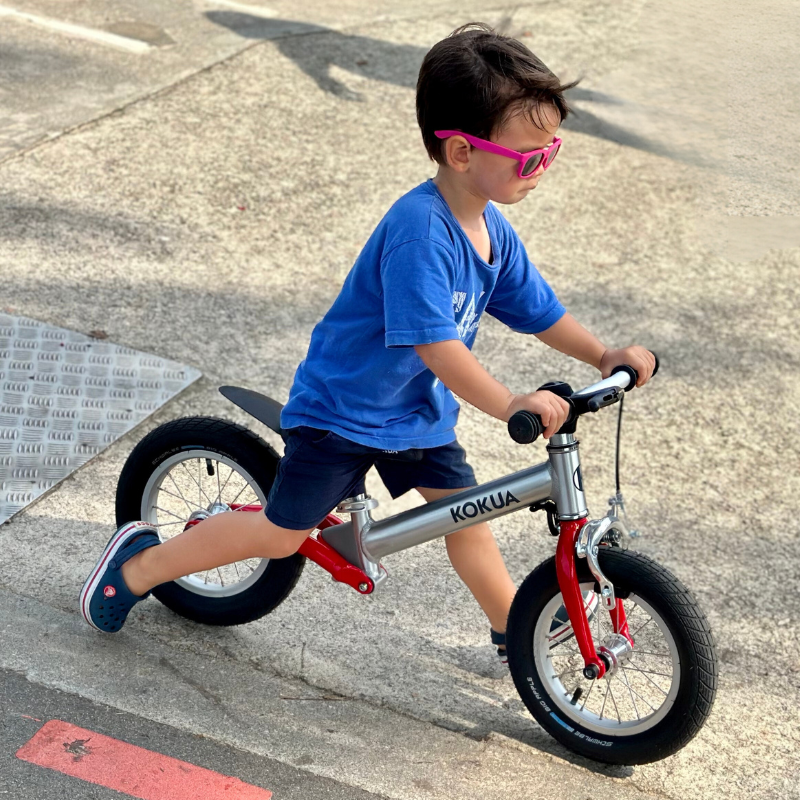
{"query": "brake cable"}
{"type": "Point", "coordinates": [617, 503]}
{"type": "Point", "coordinates": [619, 432]}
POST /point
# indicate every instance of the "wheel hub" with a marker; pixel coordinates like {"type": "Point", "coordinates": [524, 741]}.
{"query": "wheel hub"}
{"type": "Point", "coordinates": [615, 651]}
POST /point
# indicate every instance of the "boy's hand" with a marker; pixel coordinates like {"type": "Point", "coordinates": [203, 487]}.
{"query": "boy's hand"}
{"type": "Point", "coordinates": [640, 358]}
{"type": "Point", "coordinates": [552, 409]}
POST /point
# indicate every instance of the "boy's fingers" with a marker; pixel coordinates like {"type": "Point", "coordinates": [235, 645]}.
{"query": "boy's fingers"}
{"type": "Point", "coordinates": [651, 364]}
{"type": "Point", "coordinates": [547, 417]}
{"type": "Point", "coordinates": [644, 366]}
{"type": "Point", "coordinates": [557, 414]}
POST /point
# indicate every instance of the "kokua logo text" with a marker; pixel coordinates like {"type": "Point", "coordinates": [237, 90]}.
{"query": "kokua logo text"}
{"type": "Point", "coordinates": [482, 506]}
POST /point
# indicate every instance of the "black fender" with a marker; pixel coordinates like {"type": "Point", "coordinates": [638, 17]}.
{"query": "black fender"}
{"type": "Point", "coordinates": [258, 405]}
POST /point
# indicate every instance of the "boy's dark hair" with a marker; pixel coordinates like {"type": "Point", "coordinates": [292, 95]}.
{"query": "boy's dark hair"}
{"type": "Point", "coordinates": [475, 79]}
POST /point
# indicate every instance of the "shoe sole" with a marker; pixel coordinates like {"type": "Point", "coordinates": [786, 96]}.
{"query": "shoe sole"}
{"type": "Point", "coordinates": [119, 538]}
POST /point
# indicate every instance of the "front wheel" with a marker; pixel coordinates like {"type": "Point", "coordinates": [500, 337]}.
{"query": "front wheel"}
{"type": "Point", "coordinates": [658, 695]}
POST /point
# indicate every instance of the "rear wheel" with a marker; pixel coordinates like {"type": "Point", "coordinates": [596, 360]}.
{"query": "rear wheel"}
{"type": "Point", "coordinates": [658, 694]}
{"type": "Point", "coordinates": [191, 468]}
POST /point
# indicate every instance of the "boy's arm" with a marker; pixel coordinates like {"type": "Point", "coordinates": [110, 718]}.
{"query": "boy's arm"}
{"type": "Point", "coordinates": [570, 337]}
{"type": "Point", "coordinates": [454, 365]}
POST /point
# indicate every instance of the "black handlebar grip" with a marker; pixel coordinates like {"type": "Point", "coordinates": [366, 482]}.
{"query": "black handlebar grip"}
{"type": "Point", "coordinates": [633, 374]}
{"type": "Point", "coordinates": [525, 427]}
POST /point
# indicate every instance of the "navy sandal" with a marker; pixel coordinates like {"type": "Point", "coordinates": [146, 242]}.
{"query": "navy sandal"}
{"type": "Point", "coordinates": [105, 599]}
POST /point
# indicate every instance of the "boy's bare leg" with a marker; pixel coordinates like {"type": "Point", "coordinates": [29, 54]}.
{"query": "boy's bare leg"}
{"type": "Point", "coordinates": [214, 542]}
{"type": "Point", "coordinates": [476, 558]}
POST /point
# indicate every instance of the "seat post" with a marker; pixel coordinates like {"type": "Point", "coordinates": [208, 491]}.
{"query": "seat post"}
{"type": "Point", "coordinates": [359, 508]}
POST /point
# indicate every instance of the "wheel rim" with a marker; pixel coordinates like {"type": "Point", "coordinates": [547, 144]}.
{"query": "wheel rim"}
{"type": "Point", "coordinates": [180, 486]}
{"type": "Point", "coordinates": [639, 693]}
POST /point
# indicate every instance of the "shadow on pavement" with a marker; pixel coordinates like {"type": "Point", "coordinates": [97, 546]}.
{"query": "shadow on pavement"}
{"type": "Point", "coordinates": [399, 64]}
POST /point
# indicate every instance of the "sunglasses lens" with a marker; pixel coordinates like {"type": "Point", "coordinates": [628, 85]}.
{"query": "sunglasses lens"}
{"type": "Point", "coordinates": [531, 165]}
{"type": "Point", "coordinates": [551, 155]}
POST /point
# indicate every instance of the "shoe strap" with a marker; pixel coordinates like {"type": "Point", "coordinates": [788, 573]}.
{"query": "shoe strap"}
{"type": "Point", "coordinates": [497, 638]}
{"type": "Point", "coordinates": [128, 551]}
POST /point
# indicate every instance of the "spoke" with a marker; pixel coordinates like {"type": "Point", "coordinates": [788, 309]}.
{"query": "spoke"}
{"type": "Point", "coordinates": [169, 475]}
{"type": "Point", "coordinates": [602, 708]}
{"type": "Point", "coordinates": [641, 627]}
{"type": "Point", "coordinates": [566, 672]}
{"type": "Point", "coordinates": [630, 666]}
{"type": "Point", "coordinates": [637, 693]}
{"type": "Point", "coordinates": [163, 524]}
{"type": "Point", "coordinates": [249, 502]}
{"type": "Point", "coordinates": [619, 718]}
{"type": "Point", "coordinates": [221, 579]}
{"type": "Point", "coordinates": [563, 641]}
{"type": "Point", "coordinates": [219, 490]}
{"type": "Point", "coordinates": [172, 515]}
{"type": "Point", "coordinates": [206, 578]}
{"type": "Point", "coordinates": [652, 672]}
{"type": "Point", "coordinates": [246, 486]}
{"type": "Point", "coordinates": [237, 571]}
{"type": "Point", "coordinates": [645, 653]}
{"type": "Point", "coordinates": [172, 494]}
{"type": "Point", "coordinates": [200, 492]}
{"type": "Point", "coordinates": [224, 485]}
{"type": "Point", "coordinates": [587, 694]}
{"type": "Point", "coordinates": [630, 692]}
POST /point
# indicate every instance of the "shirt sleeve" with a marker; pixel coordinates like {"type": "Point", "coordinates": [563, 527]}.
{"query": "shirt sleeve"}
{"type": "Point", "coordinates": [417, 279]}
{"type": "Point", "coordinates": [522, 299]}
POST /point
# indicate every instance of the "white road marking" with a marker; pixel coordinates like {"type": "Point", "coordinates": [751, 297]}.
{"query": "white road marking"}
{"type": "Point", "coordinates": [90, 34]}
{"type": "Point", "coordinates": [255, 11]}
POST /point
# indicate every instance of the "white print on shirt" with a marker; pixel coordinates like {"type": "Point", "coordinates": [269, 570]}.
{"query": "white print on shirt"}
{"type": "Point", "coordinates": [469, 322]}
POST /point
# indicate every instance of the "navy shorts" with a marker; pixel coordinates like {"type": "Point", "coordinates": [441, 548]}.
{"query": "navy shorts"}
{"type": "Point", "coordinates": [319, 469]}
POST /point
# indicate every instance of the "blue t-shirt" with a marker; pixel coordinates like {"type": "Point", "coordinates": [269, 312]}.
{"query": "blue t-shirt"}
{"type": "Point", "coordinates": [418, 280]}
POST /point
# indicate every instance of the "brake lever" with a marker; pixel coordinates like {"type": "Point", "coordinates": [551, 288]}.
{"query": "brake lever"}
{"type": "Point", "coordinates": [605, 398]}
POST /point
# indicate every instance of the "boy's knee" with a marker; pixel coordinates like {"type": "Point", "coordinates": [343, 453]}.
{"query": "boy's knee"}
{"type": "Point", "coordinates": [286, 542]}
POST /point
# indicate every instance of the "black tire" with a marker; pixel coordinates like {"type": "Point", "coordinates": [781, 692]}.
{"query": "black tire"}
{"type": "Point", "coordinates": [683, 668]}
{"type": "Point", "coordinates": [243, 458]}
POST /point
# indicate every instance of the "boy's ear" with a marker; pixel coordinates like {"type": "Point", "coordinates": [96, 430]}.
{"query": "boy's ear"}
{"type": "Point", "coordinates": [457, 152]}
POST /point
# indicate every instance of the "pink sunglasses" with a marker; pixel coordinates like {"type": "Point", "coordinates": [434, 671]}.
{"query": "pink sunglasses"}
{"type": "Point", "coordinates": [528, 162]}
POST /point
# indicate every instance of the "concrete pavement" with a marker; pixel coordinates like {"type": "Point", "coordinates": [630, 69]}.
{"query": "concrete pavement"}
{"type": "Point", "coordinates": [213, 221]}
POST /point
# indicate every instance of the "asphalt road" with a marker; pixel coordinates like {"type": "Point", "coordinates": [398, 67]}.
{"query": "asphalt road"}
{"type": "Point", "coordinates": [27, 706]}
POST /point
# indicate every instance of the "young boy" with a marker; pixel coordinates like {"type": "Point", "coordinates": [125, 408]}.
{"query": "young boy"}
{"type": "Point", "coordinates": [385, 362]}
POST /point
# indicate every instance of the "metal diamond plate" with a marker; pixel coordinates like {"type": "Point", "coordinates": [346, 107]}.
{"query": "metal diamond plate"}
{"type": "Point", "coordinates": [64, 398]}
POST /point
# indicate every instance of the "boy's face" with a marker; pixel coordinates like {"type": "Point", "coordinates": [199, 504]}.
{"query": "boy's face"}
{"type": "Point", "coordinates": [494, 176]}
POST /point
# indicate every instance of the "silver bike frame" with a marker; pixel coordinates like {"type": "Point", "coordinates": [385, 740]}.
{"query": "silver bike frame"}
{"type": "Point", "coordinates": [364, 541]}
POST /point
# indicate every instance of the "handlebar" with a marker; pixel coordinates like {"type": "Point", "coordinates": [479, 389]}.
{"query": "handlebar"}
{"type": "Point", "coordinates": [526, 427]}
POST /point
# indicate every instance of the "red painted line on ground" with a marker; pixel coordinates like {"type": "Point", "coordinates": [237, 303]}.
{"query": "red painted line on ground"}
{"type": "Point", "coordinates": [126, 768]}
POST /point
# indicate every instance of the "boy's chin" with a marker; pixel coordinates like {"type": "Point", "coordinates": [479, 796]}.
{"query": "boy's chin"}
{"type": "Point", "coordinates": [518, 196]}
